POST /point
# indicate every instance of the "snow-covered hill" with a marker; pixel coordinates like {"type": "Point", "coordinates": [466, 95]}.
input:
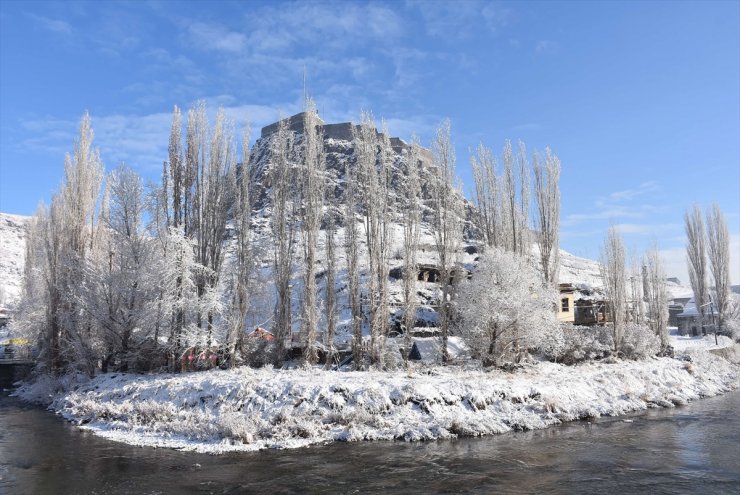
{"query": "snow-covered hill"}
{"type": "Point", "coordinates": [12, 256]}
{"type": "Point", "coordinates": [576, 271]}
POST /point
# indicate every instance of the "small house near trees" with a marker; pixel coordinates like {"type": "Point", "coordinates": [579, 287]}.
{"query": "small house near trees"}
{"type": "Point", "coordinates": [690, 320]}
{"type": "Point", "coordinates": [566, 307]}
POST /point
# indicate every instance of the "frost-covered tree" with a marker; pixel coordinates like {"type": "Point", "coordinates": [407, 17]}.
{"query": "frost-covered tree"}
{"type": "Point", "coordinates": [121, 283]}
{"type": "Point", "coordinates": [547, 219]}
{"type": "Point", "coordinates": [39, 312]}
{"type": "Point", "coordinates": [697, 258]}
{"type": "Point", "coordinates": [635, 306]}
{"type": "Point", "coordinates": [486, 195]}
{"type": "Point", "coordinates": [523, 241]}
{"type": "Point", "coordinates": [411, 225]}
{"type": "Point", "coordinates": [312, 202]}
{"type": "Point", "coordinates": [330, 248]}
{"type": "Point", "coordinates": [447, 223]}
{"type": "Point", "coordinates": [62, 240]}
{"type": "Point", "coordinates": [505, 308]}
{"type": "Point", "coordinates": [216, 181]}
{"type": "Point", "coordinates": [351, 241]}
{"type": "Point", "coordinates": [508, 195]}
{"type": "Point", "coordinates": [243, 260]}
{"type": "Point", "coordinates": [719, 260]}
{"type": "Point", "coordinates": [372, 162]}
{"type": "Point", "coordinates": [176, 169]}
{"type": "Point", "coordinates": [283, 182]}
{"type": "Point", "coordinates": [657, 296]}
{"type": "Point", "coordinates": [613, 273]}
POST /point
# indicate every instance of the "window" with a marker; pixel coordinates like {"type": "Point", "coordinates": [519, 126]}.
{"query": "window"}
{"type": "Point", "coordinates": [564, 305]}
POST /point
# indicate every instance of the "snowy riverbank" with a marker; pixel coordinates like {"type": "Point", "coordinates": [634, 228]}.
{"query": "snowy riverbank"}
{"type": "Point", "coordinates": [248, 409]}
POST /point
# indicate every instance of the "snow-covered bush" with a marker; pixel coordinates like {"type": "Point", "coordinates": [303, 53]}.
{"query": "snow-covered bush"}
{"type": "Point", "coordinates": [732, 327]}
{"type": "Point", "coordinates": [639, 342]}
{"type": "Point", "coordinates": [570, 344]}
{"type": "Point", "coordinates": [505, 308]}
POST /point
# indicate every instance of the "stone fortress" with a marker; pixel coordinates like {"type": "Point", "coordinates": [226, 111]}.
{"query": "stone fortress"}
{"type": "Point", "coordinates": [341, 132]}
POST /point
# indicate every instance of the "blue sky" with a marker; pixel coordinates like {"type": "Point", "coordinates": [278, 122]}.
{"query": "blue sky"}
{"type": "Point", "coordinates": [640, 100]}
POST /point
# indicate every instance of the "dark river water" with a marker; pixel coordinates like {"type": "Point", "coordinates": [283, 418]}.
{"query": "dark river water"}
{"type": "Point", "coordinates": [693, 449]}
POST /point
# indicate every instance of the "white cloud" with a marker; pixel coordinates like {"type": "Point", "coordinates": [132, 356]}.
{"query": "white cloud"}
{"type": "Point", "coordinates": [54, 25]}
{"type": "Point", "coordinates": [460, 19]}
{"type": "Point", "coordinates": [611, 213]}
{"type": "Point", "coordinates": [138, 140]}
{"type": "Point", "coordinates": [211, 36]}
{"type": "Point", "coordinates": [620, 205]}
{"type": "Point", "coordinates": [337, 25]}
{"type": "Point", "coordinates": [629, 194]}
{"type": "Point", "coordinates": [647, 228]}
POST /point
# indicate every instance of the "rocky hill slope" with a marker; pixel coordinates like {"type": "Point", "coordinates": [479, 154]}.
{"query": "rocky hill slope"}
{"type": "Point", "coordinates": [12, 256]}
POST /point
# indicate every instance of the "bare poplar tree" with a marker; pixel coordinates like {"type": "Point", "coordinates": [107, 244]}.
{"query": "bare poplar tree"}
{"type": "Point", "coordinates": [385, 158]}
{"type": "Point", "coordinates": [78, 199]}
{"type": "Point", "coordinates": [446, 222]}
{"type": "Point", "coordinates": [613, 274]}
{"type": "Point", "coordinates": [351, 240]}
{"type": "Point", "coordinates": [635, 308]}
{"type": "Point", "coordinates": [697, 258]}
{"type": "Point", "coordinates": [41, 311]}
{"type": "Point", "coordinates": [524, 195]}
{"type": "Point", "coordinates": [411, 220]}
{"type": "Point", "coordinates": [331, 273]}
{"type": "Point", "coordinates": [719, 261]}
{"type": "Point", "coordinates": [176, 179]}
{"type": "Point", "coordinates": [312, 196]}
{"type": "Point", "coordinates": [371, 152]}
{"type": "Point", "coordinates": [215, 180]}
{"type": "Point", "coordinates": [243, 259]}
{"type": "Point", "coordinates": [511, 224]}
{"type": "Point", "coordinates": [547, 220]}
{"type": "Point", "coordinates": [486, 193]}
{"type": "Point", "coordinates": [657, 296]}
{"type": "Point", "coordinates": [283, 230]}
{"type": "Point", "coordinates": [176, 167]}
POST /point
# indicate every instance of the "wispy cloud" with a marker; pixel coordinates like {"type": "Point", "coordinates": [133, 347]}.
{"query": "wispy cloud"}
{"type": "Point", "coordinates": [54, 25]}
{"type": "Point", "coordinates": [621, 205]}
{"type": "Point", "coordinates": [460, 19]}
{"type": "Point", "coordinates": [611, 213]}
{"type": "Point", "coordinates": [211, 36]}
{"type": "Point", "coordinates": [138, 140]}
{"type": "Point", "coordinates": [641, 190]}
{"type": "Point", "coordinates": [647, 228]}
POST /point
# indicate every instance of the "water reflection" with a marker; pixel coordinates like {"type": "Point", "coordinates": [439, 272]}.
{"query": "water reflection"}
{"type": "Point", "coordinates": [688, 450]}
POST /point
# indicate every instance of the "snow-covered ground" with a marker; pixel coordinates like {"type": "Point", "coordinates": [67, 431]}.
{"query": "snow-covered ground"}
{"type": "Point", "coordinates": [576, 270]}
{"type": "Point", "coordinates": [686, 342]}
{"type": "Point", "coordinates": [249, 409]}
{"type": "Point", "coordinates": [12, 256]}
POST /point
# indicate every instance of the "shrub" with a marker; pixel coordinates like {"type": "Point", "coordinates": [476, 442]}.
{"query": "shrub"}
{"type": "Point", "coordinates": [639, 342]}
{"type": "Point", "coordinates": [570, 344]}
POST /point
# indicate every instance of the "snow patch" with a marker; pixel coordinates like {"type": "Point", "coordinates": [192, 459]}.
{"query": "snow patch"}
{"type": "Point", "coordinates": [249, 409]}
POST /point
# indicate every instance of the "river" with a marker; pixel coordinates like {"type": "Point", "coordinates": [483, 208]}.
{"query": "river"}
{"type": "Point", "coordinates": [691, 449]}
